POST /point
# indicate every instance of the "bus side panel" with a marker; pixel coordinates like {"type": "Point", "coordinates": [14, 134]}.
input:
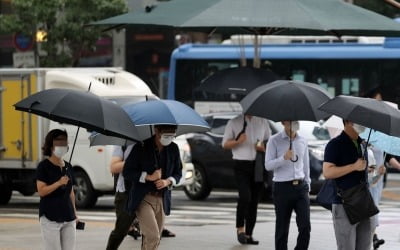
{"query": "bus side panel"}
{"type": "Point", "coordinates": [19, 129]}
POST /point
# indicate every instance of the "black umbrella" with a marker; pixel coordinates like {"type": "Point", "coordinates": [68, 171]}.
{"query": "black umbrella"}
{"type": "Point", "coordinates": [368, 112]}
{"type": "Point", "coordinates": [239, 80]}
{"type": "Point", "coordinates": [82, 109]}
{"type": "Point", "coordinates": [286, 100]}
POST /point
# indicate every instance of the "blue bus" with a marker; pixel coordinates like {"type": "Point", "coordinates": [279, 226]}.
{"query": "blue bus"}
{"type": "Point", "coordinates": [350, 68]}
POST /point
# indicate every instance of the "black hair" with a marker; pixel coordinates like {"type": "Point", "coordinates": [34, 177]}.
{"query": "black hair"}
{"type": "Point", "coordinates": [167, 127]}
{"type": "Point", "coordinates": [50, 137]}
{"type": "Point", "coordinates": [373, 92]}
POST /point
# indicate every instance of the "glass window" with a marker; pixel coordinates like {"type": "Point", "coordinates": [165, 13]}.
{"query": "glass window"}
{"type": "Point", "coordinates": [351, 77]}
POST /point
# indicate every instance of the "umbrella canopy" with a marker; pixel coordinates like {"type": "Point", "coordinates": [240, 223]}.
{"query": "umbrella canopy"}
{"type": "Point", "coordinates": [335, 124]}
{"type": "Point", "coordinates": [96, 139]}
{"type": "Point", "coordinates": [166, 112]}
{"type": "Point", "coordinates": [239, 80]}
{"type": "Point", "coordinates": [285, 100]}
{"type": "Point", "coordinates": [162, 112]}
{"type": "Point", "coordinates": [368, 112]}
{"type": "Point", "coordinates": [262, 17]}
{"type": "Point", "coordinates": [82, 109]}
{"type": "Point", "coordinates": [386, 143]}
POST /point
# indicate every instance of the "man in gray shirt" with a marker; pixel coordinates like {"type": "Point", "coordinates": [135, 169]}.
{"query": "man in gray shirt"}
{"type": "Point", "coordinates": [287, 155]}
{"type": "Point", "coordinates": [245, 135]}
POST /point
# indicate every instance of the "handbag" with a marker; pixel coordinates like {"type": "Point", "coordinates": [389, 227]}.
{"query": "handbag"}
{"type": "Point", "coordinates": [358, 203]}
{"type": "Point", "coordinates": [259, 167]}
{"type": "Point", "coordinates": [327, 194]}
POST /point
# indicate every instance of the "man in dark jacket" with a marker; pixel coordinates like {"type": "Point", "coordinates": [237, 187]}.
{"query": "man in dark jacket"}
{"type": "Point", "coordinates": [151, 169]}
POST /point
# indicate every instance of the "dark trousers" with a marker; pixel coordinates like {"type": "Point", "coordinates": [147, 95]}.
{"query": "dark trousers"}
{"type": "Point", "coordinates": [122, 224]}
{"type": "Point", "coordinates": [289, 197]}
{"type": "Point", "coordinates": [249, 195]}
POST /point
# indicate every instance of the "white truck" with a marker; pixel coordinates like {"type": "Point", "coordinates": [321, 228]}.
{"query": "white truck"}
{"type": "Point", "coordinates": [22, 134]}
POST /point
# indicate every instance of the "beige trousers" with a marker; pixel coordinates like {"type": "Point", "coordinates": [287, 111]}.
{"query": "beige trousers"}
{"type": "Point", "coordinates": [150, 214]}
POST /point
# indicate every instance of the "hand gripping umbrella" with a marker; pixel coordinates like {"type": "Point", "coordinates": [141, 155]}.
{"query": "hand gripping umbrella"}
{"type": "Point", "coordinates": [286, 100]}
{"type": "Point", "coordinates": [82, 109]}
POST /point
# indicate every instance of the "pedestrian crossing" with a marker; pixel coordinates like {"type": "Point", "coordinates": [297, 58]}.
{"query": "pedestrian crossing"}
{"type": "Point", "coordinates": [226, 214]}
{"type": "Point", "coordinates": [208, 212]}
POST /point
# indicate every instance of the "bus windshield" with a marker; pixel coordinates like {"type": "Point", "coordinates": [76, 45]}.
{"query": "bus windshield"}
{"type": "Point", "coordinates": [339, 68]}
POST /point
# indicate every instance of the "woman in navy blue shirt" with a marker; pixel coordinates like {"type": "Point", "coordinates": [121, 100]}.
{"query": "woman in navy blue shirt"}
{"type": "Point", "coordinates": [57, 210]}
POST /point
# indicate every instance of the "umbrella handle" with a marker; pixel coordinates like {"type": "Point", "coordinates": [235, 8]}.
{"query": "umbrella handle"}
{"type": "Point", "coordinates": [290, 144]}
{"type": "Point", "coordinates": [73, 145]}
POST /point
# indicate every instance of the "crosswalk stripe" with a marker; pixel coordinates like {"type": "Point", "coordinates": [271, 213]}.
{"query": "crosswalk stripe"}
{"type": "Point", "coordinates": [207, 213]}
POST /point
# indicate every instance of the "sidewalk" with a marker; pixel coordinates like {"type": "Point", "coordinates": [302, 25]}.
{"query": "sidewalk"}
{"type": "Point", "coordinates": [24, 234]}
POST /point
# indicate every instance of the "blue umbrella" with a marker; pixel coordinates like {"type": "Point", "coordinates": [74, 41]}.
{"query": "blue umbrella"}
{"type": "Point", "coordinates": [163, 112]}
{"type": "Point", "coordinates": [386, 143]}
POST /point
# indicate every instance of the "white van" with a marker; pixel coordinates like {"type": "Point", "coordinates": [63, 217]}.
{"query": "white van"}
{"type": "Point", "coordinates": [22, 134]}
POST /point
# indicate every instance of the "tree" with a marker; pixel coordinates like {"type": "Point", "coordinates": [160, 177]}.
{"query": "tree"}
{"type": "Point", "coordinates": [63, 23]}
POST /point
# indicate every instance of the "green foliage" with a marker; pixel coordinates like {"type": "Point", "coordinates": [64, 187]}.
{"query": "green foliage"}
{"type": "Point", "coordinates": [64, 21]}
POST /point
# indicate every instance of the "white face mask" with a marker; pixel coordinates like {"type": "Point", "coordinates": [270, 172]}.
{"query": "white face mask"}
{"type": "Point", "coordinates": [358, 128]}
{"type": "Point", "coordinates": [60, 151]}
{"type": "Point", "coordinates": [295, 126]}
{"type": "Point", "coordinates": [167, 138]}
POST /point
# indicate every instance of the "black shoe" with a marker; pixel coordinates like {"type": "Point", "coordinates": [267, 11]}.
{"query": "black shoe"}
{"type": "Point", "coordinates": [134, 233]}
{"type": "Point", "coordinates": [377, 242]}
{"type": "Point", "coordinates": [251, 241]}
{"type": "Point", "coordinates": [242, 238]}
{"type": "Point", "coordinates": [166, 233]}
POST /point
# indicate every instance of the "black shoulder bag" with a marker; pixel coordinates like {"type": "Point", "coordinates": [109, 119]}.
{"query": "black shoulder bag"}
{"type": "Point", "coordinates": [357, 201]}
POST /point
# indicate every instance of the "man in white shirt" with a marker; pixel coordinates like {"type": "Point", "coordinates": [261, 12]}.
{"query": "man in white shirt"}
{"type": "Point", "coordinates": [245, 135]}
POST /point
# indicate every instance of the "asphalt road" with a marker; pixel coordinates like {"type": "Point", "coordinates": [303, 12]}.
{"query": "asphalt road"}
{"type": "Point", "coordinates": [201, 225]}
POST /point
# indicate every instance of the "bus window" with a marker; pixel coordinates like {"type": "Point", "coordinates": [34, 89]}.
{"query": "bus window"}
{"type": "Point", "coordinates": [350, 69]}
{"type": "Point", "coordinates": [350, 86]}
{"type": "Point", "coordinates": [298, 75]}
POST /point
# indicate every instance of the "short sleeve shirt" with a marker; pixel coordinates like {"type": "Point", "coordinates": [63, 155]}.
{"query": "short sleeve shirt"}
{"type": "Point", "coordinates": [122, 154]}
{"type": "Point", "coordinates": [56, 206]}
{"type": "Point", "coordinates": [342, 151]}
{"type": "Point", "coordinates": [257, 129]}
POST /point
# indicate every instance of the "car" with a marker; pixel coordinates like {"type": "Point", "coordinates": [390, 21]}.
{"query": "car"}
{"type": "Point", "coordinates": [213, 165]}
{"type": "Point", "coordinates": [187, 166]}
